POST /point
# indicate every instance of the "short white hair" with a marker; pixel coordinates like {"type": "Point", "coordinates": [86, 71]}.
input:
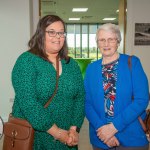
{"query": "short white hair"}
{"type": "Point", "coordinates": [110, 28]}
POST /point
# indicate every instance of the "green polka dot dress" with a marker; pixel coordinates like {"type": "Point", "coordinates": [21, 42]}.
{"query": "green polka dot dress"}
{"type": "Point", "coordinates": [33, 80]}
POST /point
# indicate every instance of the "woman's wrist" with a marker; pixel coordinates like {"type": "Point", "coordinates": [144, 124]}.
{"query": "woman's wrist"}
{"type": "Point", "coordinates": [58, 134]}
{"type": "Point", "coordinates": [55, 131]}
{"type": "Point", "coordinates": [113, 128]}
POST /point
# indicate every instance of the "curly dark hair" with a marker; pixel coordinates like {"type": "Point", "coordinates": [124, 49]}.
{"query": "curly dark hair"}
{"type": "Point", "coordinates": [36, 43]}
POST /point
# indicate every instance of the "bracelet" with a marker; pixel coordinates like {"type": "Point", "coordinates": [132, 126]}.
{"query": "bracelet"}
{"type": "Point", "coordinates": [59, 134]}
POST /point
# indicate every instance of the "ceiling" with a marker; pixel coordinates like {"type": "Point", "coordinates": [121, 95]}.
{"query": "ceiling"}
{"type": "Point", "coordinates": [97, 10]}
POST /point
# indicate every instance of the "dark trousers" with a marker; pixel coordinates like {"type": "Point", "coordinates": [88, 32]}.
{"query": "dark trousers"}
{"type": "Point", "coordinates": [124, 148]}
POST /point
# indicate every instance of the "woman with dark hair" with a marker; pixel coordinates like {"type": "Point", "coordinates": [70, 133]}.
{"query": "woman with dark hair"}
{"type": "Point", "coordinates": [34, 79]}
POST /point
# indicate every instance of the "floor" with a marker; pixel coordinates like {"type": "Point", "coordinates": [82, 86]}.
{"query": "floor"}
{"type": "Point", "coordinates": [84, 143]}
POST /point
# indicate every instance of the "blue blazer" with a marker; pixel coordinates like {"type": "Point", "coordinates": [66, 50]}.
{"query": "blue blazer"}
{"type": "Point", "coordinates": [126, 111]}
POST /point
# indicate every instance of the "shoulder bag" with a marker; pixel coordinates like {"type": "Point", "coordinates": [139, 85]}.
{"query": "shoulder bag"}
{"type": "Point", "coordinates": [18, 133]}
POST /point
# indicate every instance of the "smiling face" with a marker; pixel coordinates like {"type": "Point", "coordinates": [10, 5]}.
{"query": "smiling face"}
{"type": "Point", "coordinates": [53, 44]}
{"type": "Point", "coordinates": [107, 43]}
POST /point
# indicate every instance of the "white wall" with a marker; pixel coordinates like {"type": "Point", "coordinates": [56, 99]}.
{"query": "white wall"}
{"type": "Point", "coordinates": [14, 35]}
{"type": "Point", "coordinates": [138, 11]}
{"type": "Point", "coordinates": [18, 19]}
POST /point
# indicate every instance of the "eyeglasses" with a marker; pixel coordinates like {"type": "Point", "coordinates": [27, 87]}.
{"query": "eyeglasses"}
{"type": "Point", "coordinates": [54, 33]}
{"type": "Point", "coordinates": [109, 40]}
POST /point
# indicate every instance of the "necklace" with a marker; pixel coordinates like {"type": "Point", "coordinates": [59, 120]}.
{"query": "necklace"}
{"type": "Point", "coordinates": [104, 63]}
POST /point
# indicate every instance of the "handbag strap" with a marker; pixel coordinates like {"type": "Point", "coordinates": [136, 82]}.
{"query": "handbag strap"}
{"type": "Point", "coordinates": [139, 118]}
{"type": "Point", "coordinates": [56, 87]}
{"type": "Point", "coordinates": [129, 62]}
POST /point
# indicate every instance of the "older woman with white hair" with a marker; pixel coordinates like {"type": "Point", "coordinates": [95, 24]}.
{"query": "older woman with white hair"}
{"type": "Point", "coordinates": [110, 84]}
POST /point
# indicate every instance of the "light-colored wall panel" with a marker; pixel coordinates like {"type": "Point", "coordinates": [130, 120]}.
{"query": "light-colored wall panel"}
{"type": "Point", "coordinates": [14, 35]}
{"type": "Point", "coordinates": [138, 12]}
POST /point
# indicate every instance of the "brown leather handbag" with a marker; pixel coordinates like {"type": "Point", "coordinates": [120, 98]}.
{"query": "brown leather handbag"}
{"type": "Point", "coordinates": [18, 133]}
{"type": "Point", "coordinates": [147, 124]}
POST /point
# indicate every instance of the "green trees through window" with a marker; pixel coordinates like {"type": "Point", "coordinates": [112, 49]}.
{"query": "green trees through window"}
{"type": "Point", "coordinates": [81, 41]}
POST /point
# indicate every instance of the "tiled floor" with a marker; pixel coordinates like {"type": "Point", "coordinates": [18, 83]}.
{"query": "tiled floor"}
{"type": "Point", "coordinates": [84, 143]}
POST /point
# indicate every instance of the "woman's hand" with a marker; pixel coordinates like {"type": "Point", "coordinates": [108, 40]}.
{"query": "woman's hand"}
{"type": "Point", "coordinates": [62, 136]}
{"type": "Point", "coordinates": [73, 136]}
{"type": "Point", "coordinates": [70, 137]}
{"type": "Point", "coordinates": [59, 134]}
{"type": "Point", "coordinates": [106, 132]}
{"type": "Point", "coordinates": [112, 142]}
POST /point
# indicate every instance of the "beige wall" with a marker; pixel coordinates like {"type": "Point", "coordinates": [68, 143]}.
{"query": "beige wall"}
{"type": "Point", "coordinates": [14, 35]}
{"type": "Point", "coordinates": [138, 11]}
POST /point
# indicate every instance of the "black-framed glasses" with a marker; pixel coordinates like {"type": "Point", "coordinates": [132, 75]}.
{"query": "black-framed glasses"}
{"type": "Point", "coordinates": [54, 33]}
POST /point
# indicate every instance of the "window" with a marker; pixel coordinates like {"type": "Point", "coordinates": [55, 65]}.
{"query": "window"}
{"type": "Point", "coordinates": [81, 41]}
